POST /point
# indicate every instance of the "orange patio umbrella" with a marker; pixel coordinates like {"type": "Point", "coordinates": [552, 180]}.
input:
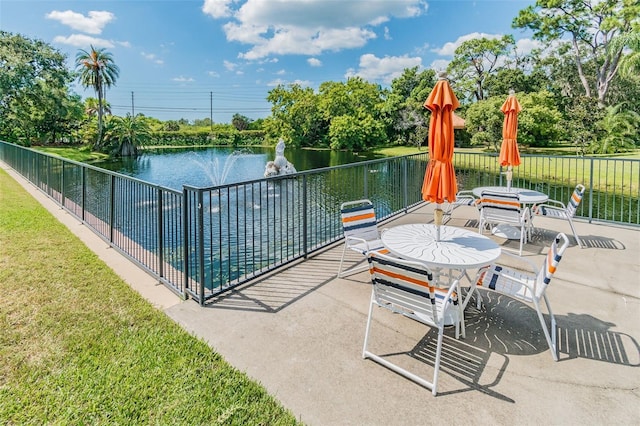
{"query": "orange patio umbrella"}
{"type": "Point", "coordinates": [509, 154]}
{"type": "Point", "coordinates": [440, 179]}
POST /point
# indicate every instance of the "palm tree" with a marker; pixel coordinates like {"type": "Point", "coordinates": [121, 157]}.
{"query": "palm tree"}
{"type": "Point", "coordinates": [619, 130]}
{"type": "Point", "coordinates": [91, 107]}
{"type": "Point", "coordinates": [97, 70]}
{"type": "Point", "coordinates": [125, 134]}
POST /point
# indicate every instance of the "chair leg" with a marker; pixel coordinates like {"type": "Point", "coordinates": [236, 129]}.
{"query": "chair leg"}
{"type": "Point", "coordinates": [551, 337]}
{"type": "Point", "coordinates": [344, 251]}
{"type": "Point", "coordinates": [575, 234]}
{"type": "Point", "coordinates": [434, 389]}
{"type": "Point", "coordinates": [522, 239]}
{"type": "Point", "coordinates": [366, 333]}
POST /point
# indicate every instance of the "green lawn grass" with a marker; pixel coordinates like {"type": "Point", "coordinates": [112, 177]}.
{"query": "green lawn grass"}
{"type": "Point", "coordinates": [79, 346]}
{"type": "Point", "coordinates": [82, 154]}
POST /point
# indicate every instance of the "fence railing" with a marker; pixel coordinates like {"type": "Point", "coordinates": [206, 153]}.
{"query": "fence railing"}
{"type": "Point", "coordinates": [203, 241]}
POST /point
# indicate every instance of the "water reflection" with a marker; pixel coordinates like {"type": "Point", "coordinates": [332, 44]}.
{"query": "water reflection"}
{"type": "Point", "coordinates": [204, 167]}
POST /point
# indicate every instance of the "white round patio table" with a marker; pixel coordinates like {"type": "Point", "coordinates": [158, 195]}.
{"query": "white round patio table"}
{"type": "Point", "coordinates": [458, 248]}
{"type": "Point", "coordinates": [527, 197]}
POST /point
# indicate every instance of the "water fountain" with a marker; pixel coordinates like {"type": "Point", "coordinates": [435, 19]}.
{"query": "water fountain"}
{"type": "Point", "coordinates": [216, 172]}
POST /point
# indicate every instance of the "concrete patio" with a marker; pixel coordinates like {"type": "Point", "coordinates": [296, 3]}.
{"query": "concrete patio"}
{"type": "Point", "coordinates": [299, 332]}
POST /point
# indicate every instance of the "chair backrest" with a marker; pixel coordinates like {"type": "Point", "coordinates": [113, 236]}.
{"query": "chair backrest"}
{"type": "Point", "coordinates": [359, 220]}
{"type": "Point", "coordinates": [500, 206]}
{"type": "Point", "coordinates": [551, 262]}
{"type": "Point", "coordinates": [403, 286]}
{"type": "Point", "coordinates": [576, 198]}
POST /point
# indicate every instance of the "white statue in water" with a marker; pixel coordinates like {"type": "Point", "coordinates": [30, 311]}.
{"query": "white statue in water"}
{"type": "Point", "coordinates": [279, 166]}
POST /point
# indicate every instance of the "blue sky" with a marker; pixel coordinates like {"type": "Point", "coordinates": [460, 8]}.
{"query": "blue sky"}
{"type": "Point", "coordinates": [188, 58]}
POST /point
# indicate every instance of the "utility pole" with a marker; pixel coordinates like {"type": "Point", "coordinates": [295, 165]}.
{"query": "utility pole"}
{"type": "Point", "coordinates": [211, 109]}
{"type": "Point", "coordinates": [133, 111]}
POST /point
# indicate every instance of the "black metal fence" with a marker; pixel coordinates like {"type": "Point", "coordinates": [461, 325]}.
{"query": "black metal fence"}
{"type": "Point", "coordinates": [203, 241]}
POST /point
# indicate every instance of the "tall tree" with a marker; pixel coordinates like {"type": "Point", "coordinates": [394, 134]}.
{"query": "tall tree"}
{"type": "Point", "coordinates": [295, 116]}
{"type": "Point", "coordinates": [98, 70]}
{"type": "Point", "coordinates": [475, 60]}
{"type": "Point", "coordinates": [589, 26]}
{"type": "Point", "coordinates": [405, 117]}
{"type": "Point", "coordinates": [34, 91]}
{"type": "Point", "coordinates": [240, 122]}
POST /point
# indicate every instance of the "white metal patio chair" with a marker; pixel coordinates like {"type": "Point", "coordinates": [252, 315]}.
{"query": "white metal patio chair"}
{"type": "Point", "coordinates": [406, 287]}
{"type": "Point", "coordinates": [526, 287]}
{"type": "Point", "coordinates": [463, 198]}
{"type": "Point", "coordinates": [361, 234]}
{"type": "Point", "coordinates": [558, 210]}
{"type": "Point", "coordinates": [499, 208]}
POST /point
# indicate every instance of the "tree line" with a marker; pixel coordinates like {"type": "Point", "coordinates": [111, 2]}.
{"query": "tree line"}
{"type": "Point", "coordinates": [582, 88]}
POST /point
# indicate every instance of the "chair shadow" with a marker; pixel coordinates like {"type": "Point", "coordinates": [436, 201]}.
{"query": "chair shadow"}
{"type": "Point", "coordinates": [585, 336]}
{"type": "Point", "coordinates": [463, 362]}
{"type": "Point", "coordinates": [507, 326]}
{"type": "Point", "coordinates": [543, 236]}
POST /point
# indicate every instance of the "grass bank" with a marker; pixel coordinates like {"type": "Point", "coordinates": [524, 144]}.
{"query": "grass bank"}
{"type": "Point", "coordinates": [79, 346]}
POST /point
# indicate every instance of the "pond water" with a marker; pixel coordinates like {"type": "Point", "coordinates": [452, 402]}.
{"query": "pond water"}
{"type": "Point", "coordinates": [205, 167]}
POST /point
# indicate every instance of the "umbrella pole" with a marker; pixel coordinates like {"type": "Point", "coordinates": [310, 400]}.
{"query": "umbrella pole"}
{"type": "Point", "coordinates": [437, 219]}
{"type": "Point", "coordinates": [509, 177]}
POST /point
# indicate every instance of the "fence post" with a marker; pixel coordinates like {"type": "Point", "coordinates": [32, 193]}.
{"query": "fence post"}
{"type": "Point", "coordinates": [160, 235]}
{"type": "Point", "coordinates": [591, 190]}
{"type": "Point", "coordinates": [112, 204]}
{"type": "Point", "coordinates": [62, 191]}
{"type": "Point", "coordinates": [84, 191]}
{"type": "Point", "coordinates": [304, 215]}
{"type": "Point", "coordinates": [185, 241]}
{"type": "Point", "coordinates": [365, 181]}
{"type": "Point", "coordinates": [405, 180]}
{"type": "Point", "coordinates": [201, 246]}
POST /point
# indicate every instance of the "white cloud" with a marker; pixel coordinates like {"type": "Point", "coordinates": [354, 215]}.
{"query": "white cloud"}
{"type": "Point", "coordinates": [383, 69]}
{"type": "Point", "coordinates": [213, 74]}
{"type": "Point", "coordinates": [83, 41]}
{"type": "Point", "coordinates": [306, 27]}
{"type": "Point", "coordinates": [449, 48]}
{"type": "Point", "coordinates": [230, 66]}
{"type": "Point", "coordinates": [524, 46]}
{"type": "Point", "coordinates": [307, 42]}
{"type": "Point", "coordinates": [387, 35]}
{"type": "Point", "coordinates": [279, 81]}
{"type": "Point", "coordinates": [152, 57]}
{"type": "Point", "coordinates": [314, 62]}
{"type": "Point", "coordinates": [183, 79]}
{"type": "Point", "coordinates": [439, 65]}
{"type": "Point", "coordinates": [281, 72]}
{"type": "Point", "coordinates": [217, 8]}
{"type": "Point", "coordinates": [94, 23]}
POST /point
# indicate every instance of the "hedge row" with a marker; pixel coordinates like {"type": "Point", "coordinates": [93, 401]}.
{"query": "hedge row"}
{"type": "Point", "coordinates": [200, 137]}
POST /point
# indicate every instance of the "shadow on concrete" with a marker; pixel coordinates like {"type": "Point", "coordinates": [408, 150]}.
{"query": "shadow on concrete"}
{"type": "Point", "coordinates": [507, 326]}
{"type": "Point", "coordinates": [463, 362]}
{"type": "Point", "coordinates": [585, 336]}
{"type": "Point", "coordinates": [276, 291]}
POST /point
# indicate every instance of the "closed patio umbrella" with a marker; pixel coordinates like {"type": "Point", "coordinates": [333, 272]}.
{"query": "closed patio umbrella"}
{"type": "Point", "coordinates": [509, 154]}
{"type": "Point", "coordinates": [440, 180]}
